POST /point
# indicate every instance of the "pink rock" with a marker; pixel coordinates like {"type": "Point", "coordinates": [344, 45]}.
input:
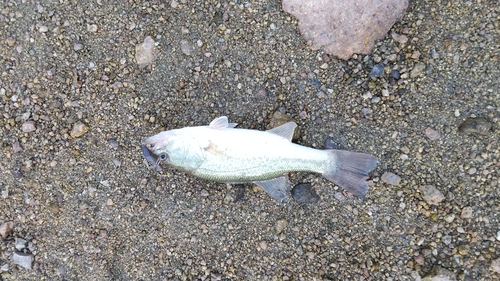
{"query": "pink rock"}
{"type": "Point", "coordinates": [6, 228]}
{"type": "Point", "coordinates": [495, 265]}
{"type": "Point", "coordinates": [432, 134]}
{"type": "Point", "coordinates": [28, 126]}
{"type": "Point", "coordinates": [343, 27]}
{"type": "Point", "coordinates": [16, 147]}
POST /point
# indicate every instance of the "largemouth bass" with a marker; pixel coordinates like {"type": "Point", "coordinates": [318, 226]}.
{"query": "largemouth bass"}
{"type": "Point", "coordinates": [220, 152]}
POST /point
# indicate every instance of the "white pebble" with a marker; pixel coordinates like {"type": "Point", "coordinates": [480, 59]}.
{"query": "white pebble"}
{"type": "Point", "coordinates": [28, 126]}
{"type": "Point", "coordinates": [92, 27]}
{"type": "Point", "coordinates": [144, 52]}
{"type": "Point", "coordinates": [43, 29]}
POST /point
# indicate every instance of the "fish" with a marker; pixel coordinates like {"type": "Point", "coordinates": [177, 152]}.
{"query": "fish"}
{"type": "Point", "coordinates": [222, 153]}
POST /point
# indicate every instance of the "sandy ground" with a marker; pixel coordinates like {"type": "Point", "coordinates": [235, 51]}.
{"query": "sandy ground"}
{"type": "Point", "coordinates": [89, 208]}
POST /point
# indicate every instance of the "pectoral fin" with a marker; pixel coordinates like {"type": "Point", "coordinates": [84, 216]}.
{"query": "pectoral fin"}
{"type": "Point", "coordinates": [286, 130]}
{"type": "Point", "coordinates": [278, 188]}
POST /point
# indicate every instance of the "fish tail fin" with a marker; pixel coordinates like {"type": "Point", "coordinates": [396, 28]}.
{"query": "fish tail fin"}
{"type": "Point", "coordinates": [349, 170]}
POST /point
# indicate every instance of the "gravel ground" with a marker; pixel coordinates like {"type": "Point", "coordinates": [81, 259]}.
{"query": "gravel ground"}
{"type": "Point", "coordinates": [75, 105]}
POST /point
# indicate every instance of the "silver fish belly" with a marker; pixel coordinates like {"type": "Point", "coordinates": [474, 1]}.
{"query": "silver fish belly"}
{"type": "Point", "coordinates": [219, 152]}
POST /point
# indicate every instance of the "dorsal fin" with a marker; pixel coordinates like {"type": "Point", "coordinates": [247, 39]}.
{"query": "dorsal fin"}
{"type": "Point", "coordinates": [221, 123]}
{"type": "Point", "coordinates": [286, 130]}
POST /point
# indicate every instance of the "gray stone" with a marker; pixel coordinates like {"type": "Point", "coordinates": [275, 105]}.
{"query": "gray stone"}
{"type": "Point", "coordinates": [23, 259]}
{"type": "Point", "coordinates": [185, 47]}
{"type": "Point", "coordinates": [467, 213]}
{"type": "Point", "coordinates": [391, 178]}
{"type": "Point", "coordinates": [476, 126]}
{"type": "Point", "coordinates": [304, 193]}
{"type": "Point", "coordinates": [417, 70]}
{"type": "Point", "coordinates": [432, 195]}
{"type": "Point", "coordinates": [20, 243]}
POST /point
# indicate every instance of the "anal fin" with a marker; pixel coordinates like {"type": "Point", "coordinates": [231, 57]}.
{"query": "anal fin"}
{"type": "Point", "coordinates": [278, 188]}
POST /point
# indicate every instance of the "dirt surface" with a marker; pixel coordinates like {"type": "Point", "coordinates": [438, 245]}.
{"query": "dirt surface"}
{"type": "Point", "coordinates": [75, 105]}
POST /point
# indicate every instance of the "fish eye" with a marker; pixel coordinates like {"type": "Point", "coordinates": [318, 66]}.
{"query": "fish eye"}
{"type": "Point", "coordinates": [164, 157]}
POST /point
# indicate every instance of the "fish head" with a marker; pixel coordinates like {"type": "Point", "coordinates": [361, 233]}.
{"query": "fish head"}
{"type": "Point", "coordinates": [175, 148]}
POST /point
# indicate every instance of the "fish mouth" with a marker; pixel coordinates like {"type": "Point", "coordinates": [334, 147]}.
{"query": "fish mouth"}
{"type": "Point", "coordinates": [151, 157]}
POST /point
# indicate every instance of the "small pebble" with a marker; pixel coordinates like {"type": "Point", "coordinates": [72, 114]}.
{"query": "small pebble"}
{"type": "Point", "coordinates": [20, 243]}
{"type": "Point", "coordinates": [439, 274]}
{"type": "Point", "coordinates": [79, 129]}
{"type": "Point", "coordinates": [16, 147]}
{"type": "Point", "coordinates": [23, 259]}
{"type": "Point", "coordinates": [185, 47]}
{"type": "Point", "coordinates": [391, 178]}
{"type": "Point", "coordinates": [495, 265]}
{"type": "Point", "coordinates": [17, 173]}
{"type": "Point", "coordinates": [339, 196]}
{"type": "Point", "coordinates": [280, 226]}
{"type": "Point", "coordinates": [113, 143]}
{"type": "Point", "coordinates": [377, 70]}
{"type": "Point", "coordinates": [92, 27]}
{"type": "Point", "coordinates": [446, 239]}
{"type": "Point", "coordinates": [463, 250]}
{"type": "Point", "coordinates": [77, 47]}
{"type": "Point", "coordinates": [466, 213]}
{"type": "Point", "coordinates": [419, 259]}
{"type": "Point", "coordinates": [476, 126]}
{"type": "Point", "coordinates": [260, 94]}
{"type": "Point", "coordinates": [432, 134]}
{"type": "Point", "coordinates": [304, 193]}
{"type": "Point", "coordinates": [366, 111]}
{"type": "Point", "coordinates": [6, 228]}
{"type": "Point", "coordinates": [402, 39]}
{"type": "Point", "coordinates": [28, 126]}
{"type": "Point", "coordinates": [417, 70]}
{"type": "Point", "coordinates": [449, 218]}
{"type": "Point", "coordinates": [331, 144]}
{"type": "Point", "coordinates": [263, 245]}
{"type": "Point", "coordinates": [395, 74]}
{"type": "Point", "coordinates": [10, 41]}
{"type": "Point", "coordinates": [43, 29]}
{"type": "Point", "coordinates": [4, 267]}
{"type": "Point", "coordinates": [144, 52]}
{"type": "Point", "coordinates": [434, 54]}
{"type": "Point", "coordinates": [432, 195]}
